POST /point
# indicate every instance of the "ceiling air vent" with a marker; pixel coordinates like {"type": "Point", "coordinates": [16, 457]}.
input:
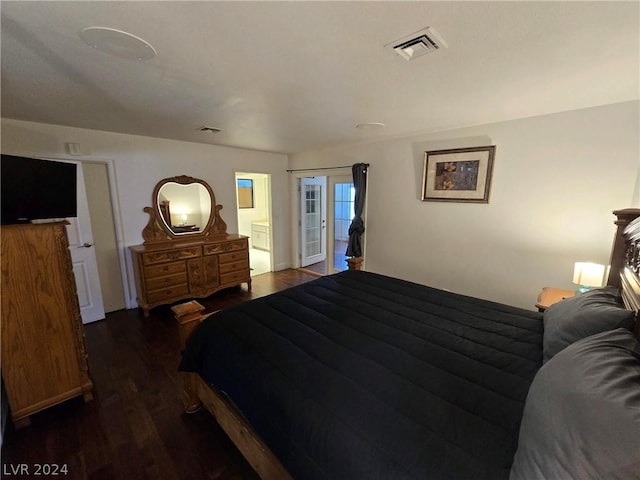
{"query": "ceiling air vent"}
{"type": "Point", "coordinates": [210, 129]}
{"type": "Point", "coordinates": [418, 44]}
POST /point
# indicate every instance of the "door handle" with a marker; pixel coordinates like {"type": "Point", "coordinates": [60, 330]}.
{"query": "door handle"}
{"type": "Point", "coordinates": [87, 245]}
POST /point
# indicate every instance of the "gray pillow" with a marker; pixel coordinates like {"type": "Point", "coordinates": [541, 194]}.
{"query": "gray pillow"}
{"type": "Point", "coordinates": [574, 318]}
{"type": "Point", "coordinates": [582, 414]}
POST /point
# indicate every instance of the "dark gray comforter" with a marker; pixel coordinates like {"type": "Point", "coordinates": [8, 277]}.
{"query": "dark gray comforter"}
{"type": "Point", "coordinates": [362, 376]}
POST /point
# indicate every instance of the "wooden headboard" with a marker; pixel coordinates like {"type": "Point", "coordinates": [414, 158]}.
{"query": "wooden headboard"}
{"type": "Point", "coordinates": [625, 260]}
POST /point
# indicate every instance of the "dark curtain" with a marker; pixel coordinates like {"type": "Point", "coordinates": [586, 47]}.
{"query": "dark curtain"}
{"type": "Point", "coordinates": [356, 229]}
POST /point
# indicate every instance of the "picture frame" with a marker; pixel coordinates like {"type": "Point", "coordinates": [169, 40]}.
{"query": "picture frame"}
{"type": "Point", "coordinates": [458, 175]}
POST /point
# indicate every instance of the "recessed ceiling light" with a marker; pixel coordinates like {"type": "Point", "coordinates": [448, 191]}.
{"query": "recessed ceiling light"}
{"type": "Point", "coordinates": [363, 126]}
{"type": "Point", "coordinates": [117, 43]}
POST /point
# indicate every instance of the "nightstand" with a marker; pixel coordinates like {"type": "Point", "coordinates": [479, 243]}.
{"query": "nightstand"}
{"type": "Point", "coordinates": [550, 295]}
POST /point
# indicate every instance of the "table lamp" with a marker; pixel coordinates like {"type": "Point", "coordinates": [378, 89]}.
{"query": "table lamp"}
{"type": "Point", "coordinates": [588, 275]}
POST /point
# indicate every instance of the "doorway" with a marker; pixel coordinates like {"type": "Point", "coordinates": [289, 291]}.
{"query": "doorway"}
{"type": "Point", "coordinates": [96, 180]}
{"type": "Point", "coordinates": [342, 194]}
{"type": "Point", "coordinates": [253, 196]}
{"type": "Point", "coordinates": [325, 211]}
{"type": "Point", "coordinates": [313, 223]}
{"type": "Point", "coordinates": [100, 280]}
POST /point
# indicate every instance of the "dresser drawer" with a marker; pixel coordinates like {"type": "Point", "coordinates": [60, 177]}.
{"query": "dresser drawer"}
{"type": "Point", "coordinates": [166, 281]}
{"type": "Point", "coordinates": [234, 266]}
{"type": "Point", "coordinates": [168, 294]}
{"type": "Point", "coordinates": [232, 246]}
{"type": "Point", "coordinates": [165, 269]}
{"type": "Point", "coordinates": [233, 257]}
{"type": "Point", "coordinates": [235, 277]}
{"type": "Point", "coordinates": [152, 258]}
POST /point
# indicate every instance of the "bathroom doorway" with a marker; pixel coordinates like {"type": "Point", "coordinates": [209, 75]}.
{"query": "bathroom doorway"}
{"type": "Point", "coordinates": [253, 195]}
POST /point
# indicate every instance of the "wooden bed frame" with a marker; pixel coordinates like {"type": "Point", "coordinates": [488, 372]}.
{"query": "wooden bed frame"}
{"type": "Point", "coordinates": [624, 274]}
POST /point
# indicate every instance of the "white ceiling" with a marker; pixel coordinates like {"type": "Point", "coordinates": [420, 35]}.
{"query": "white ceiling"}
{"type": "Point", "coordinates": [292, 76]}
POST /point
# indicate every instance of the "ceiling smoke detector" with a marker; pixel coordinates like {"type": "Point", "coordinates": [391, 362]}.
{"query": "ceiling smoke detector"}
{"type": "Point", "coordinates": [418, 44]}
{"type": "Point", "coordinates": [210, 129]}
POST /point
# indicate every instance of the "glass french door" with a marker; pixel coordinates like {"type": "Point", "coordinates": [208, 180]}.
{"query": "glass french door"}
{"type": "Point", "coordinates": [313, 220]}
{"type": "Point", "coordinates": [342, 214]}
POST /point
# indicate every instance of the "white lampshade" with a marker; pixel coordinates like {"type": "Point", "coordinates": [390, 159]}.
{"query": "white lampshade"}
{"type": "Point", "coordinates": [588, 274]}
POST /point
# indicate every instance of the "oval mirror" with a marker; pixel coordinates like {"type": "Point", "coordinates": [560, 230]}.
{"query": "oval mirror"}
{"type": "Point", "coordinates": [184, 205]}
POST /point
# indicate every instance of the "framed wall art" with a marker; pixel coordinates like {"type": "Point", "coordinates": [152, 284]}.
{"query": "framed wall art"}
{"type": "Point", "coordinates": [458, 175]}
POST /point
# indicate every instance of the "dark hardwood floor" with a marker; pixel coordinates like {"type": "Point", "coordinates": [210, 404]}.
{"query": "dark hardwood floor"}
{"type": "Point", "coordinates": [135, 427]}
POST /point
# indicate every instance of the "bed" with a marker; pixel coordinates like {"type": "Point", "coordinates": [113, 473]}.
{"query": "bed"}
{"type": "Point", "coordinates": [362, 376]}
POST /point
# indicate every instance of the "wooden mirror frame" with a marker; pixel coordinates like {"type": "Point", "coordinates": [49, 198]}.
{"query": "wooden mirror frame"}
{"type": "Point", "coordinates": [158, 231]}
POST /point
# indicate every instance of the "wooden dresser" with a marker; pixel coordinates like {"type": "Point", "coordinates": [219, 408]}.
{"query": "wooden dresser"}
{"type": "Point", "coordinates": [166, 274]}
{"type": "Point", "coordinates": [174, 264]}
{"type": "Point", "coordinates": [44, 360]}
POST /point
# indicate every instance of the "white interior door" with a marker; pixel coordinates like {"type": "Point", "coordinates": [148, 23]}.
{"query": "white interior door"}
{"type": "Point", "coordinates": [313, 220]}
{"type": "Point", "coordinates": [83, 256]}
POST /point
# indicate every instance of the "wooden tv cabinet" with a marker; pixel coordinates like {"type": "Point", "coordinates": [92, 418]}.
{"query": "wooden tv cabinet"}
{"type": "Point", "coordinates": [44, 359]}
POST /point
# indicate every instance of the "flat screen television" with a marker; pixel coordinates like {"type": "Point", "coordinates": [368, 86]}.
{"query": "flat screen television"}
{"type": "Point", "coordinates": [33, 189]}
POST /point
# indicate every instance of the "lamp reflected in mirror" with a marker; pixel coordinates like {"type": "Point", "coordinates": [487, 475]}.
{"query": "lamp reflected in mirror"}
{"type": "Point", "coordinates": [184, 208]}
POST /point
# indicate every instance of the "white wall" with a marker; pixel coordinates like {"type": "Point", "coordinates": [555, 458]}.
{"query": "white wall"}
{"type": "Point", "coordinates": [140, 162]}
{"type": "Point", "coordinates": [556, 180]}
